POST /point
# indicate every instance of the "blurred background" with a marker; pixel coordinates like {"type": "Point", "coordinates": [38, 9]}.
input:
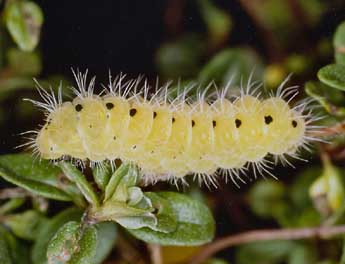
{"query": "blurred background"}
{"type": "Point", "coordinates": [199, 40]}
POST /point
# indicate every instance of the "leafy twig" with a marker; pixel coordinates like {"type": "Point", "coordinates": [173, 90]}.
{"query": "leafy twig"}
{"type": "Point", "coordinates": [323, 232]}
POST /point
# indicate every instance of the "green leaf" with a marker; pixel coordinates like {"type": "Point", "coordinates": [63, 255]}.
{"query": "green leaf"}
{"type": "Point", "coordinates": [36, 187]}
{"type": "Point", "coordinates": [164, 220]}
{"type": "Point", "coordinates": [107, 234]}
{"type": "Point", "coordinates": [139, 221]}
{"type": "Point", "coordinates": [64, 243]}
{"type": "Point", "coordinates": [339, 44]}
{"type": "Point", "coordinates": [124, 177]}
{"type": "Point", "coordinates": [25, 225]}
{"type": "Point", "coordinates": [113, 210]}
{"type": "Point", "coordinates": [11, 205]}
{"type": "Point", "coordinates": [87, 246]}
{"type": "Point", "coordinates": [73, 244]}
{"type": "Point", "coordinates": [74, 175]}
{"type": "Point", "coordinates": [25, 164]}
{"type": "Point", "coordinates": [115, 180]}
{"type": "Point", "coordinates": [24, 20]}
{"type": "Point", "coordinates": [5, 256]}
{"type": "Point", "coordinates": [333, 75]}
{"type": "Point", "coordinates": [166, 216]}
{"type": "Point", "coordinates": [101, 175]}
{"type": "Point", "coordinates": [267, 197]}
{"type": "Point", "coordinates": [330, 99]}
{"type": "Point", "coordinates": [48, 230]}
{"type": "Point", "coordinates": [38, 177]}
{"type": "Point", "coordinates": [135, 195]}
{"type": "Point", "coordinates": [232, 64]}
{"type": "Point", "coordinates": [195, 224]}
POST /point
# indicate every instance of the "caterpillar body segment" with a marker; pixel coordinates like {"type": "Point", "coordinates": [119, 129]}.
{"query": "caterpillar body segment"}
{"type": "Point", "coordinates": [170, 139]}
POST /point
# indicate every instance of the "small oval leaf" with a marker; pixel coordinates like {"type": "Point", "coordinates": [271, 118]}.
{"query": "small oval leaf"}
{"type": "Point", "coordinates": [87, 246]}
{"type": "Point", "coordinates": [36, 187]}
{"type": "Point", "coordinates": [48, 230]}
{"type": "Point", "coordinates": [101, 175]}
{"type": "Point", "coordinates": [339, 44]}
{"type": "Point", "coordinates": [61, 247]}
{"type": "Point", "coordinates": [195, 223]}
{"type": "Point", "coordinates": [39, 177]}
{"type": "Point", "coordinates": [24, 20]}
{"type": "Point", "coordinates": [107, 234]}
{"type": "Point", "coordinates": [333, 75]}
{"type": "Point", "coordinates": [73, 244]}
{"type": "Point", "coordinates": [79, 179]}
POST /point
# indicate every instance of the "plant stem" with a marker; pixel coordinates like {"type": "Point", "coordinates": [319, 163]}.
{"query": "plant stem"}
{"type": "Point", "coordinates": [323, 232]}
{"type": "Point", "coordinates": [338, 128]}
{"type": "Point", "coordinates": [16, 192]}
{"type": "Point", "coordinates": [155, 253]}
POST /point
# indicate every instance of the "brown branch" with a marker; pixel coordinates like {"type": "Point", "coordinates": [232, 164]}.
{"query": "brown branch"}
{"type": "Point", "coordinates": [16, 192]}
{"type": "Point", "coordinates": [323, 232]}
{"type": "Point", "coordinates": [156, 254]}
{"type": "Point", "coordinates": [338, 128]}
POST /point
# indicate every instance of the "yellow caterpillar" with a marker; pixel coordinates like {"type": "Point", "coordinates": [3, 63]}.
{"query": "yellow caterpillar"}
{"type": "Point", "coordinates": [170, 139]}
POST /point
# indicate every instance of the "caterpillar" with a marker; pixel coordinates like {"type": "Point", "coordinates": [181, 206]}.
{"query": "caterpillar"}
{"type": "Point", "coordinates": [171, 138]}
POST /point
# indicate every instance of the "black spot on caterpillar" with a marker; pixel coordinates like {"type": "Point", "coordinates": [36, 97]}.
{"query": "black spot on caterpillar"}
{"type": "Point", "coordinates": [78, 107]}
{"type": "Point", "coordinates": [203, 137]}
{"type": "Point", "coordinates": [268, 119]}
{"type": "Point", "coordinates": [109, 106]}
{"type": "Point", "coordinates": [132, 112]}
{"type": "Point", "coordinates": [238, 123]}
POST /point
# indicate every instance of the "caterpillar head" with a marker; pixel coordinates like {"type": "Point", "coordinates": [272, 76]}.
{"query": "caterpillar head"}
{"type": "Point", "coordinates": [58, 136]}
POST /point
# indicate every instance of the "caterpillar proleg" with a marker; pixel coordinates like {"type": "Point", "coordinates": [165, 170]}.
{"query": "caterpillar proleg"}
{"type": "Point", "coordinates": [171, 138]}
